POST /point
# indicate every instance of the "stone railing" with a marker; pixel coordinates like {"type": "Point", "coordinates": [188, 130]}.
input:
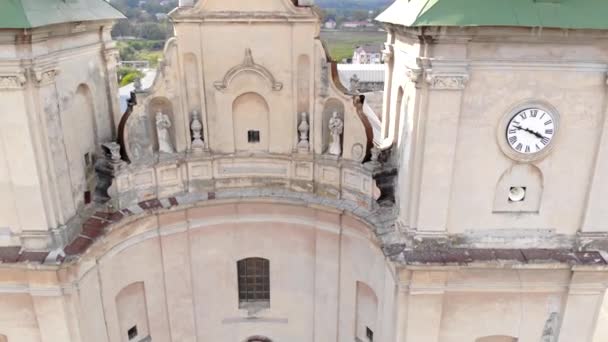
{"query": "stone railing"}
{"type": "Point", "coordinates": [202, 173]}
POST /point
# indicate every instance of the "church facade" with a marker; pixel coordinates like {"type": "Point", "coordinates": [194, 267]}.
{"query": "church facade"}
{"type": "Point", "coordinates": [248, 196]}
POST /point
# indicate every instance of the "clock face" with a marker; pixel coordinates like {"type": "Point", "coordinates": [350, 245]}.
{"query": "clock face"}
{"type": "Point", "coordinates": [530, 130]}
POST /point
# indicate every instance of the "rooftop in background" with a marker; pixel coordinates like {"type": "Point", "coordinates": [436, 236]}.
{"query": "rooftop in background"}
{"type": "Point", "coordinates": [124, 93]}
{"type": "Point", "coordinates": [369, 48]}
{"type": "Point", "coordinates": [373, 73]}
{"type": "Point", "coordinates": [571, 14]}
{"type": "Point", "coordinates": [24, 14]}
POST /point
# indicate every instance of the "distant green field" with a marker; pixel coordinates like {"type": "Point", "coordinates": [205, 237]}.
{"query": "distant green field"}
{"type": "Point", "coordinates": [342, 43]}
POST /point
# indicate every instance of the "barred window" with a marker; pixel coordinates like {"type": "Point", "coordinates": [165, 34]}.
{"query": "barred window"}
{"type": "Point", "coordinates": [254, 282]}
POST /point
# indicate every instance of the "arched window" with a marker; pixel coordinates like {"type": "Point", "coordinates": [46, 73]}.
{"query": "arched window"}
{"type": "Point", "coordinates": [254, 282]}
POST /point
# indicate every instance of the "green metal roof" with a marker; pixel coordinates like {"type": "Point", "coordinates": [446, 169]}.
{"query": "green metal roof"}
{"type": "Point", "coordinates": [22, 14]}
{"type": "Point", "coordinates": [571, 14]}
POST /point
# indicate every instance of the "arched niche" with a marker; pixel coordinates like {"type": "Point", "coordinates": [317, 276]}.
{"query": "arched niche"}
{"type": "Point", "coordinates": [520, 177]}
{"type": "Point", "coordinates": [165, 106]}
{"type": "Point", "coordinates": [496, 338]}
{"type": "Point", "coordinates": [331, 105]}
{"type": "Point", "coordinates": [191, 77]}
{"type": "Point", "coordinates": [250, 117]}
{"type": "Point", "coordinates": [303, 82]}
{"type": "Point", "coordinates": [366, 312]}
{"type": "Point", "coordinates": [132, 312]}
{"type": "Point", "coordinates": [81, 139]}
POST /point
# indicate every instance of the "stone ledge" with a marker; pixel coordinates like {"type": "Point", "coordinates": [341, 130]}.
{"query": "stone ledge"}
{"type": "Point", "coordinates": [469, 257]}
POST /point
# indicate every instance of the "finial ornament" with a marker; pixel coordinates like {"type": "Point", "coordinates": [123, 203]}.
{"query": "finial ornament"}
{"type": "Point", "coordinates": [197, 137]}
{"type": "Point", "coordinates": [303, 129]}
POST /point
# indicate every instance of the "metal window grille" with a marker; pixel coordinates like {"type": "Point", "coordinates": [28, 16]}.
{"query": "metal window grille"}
{"type": "Point", "coordinates": [254, 280]}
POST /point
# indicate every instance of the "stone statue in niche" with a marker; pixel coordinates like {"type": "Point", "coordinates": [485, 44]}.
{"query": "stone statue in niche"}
{"type": "Point", "coordinates": [550, 331]}
{"type": "Point", "coordinates": [303, 129]}
{"type": "Point", "coordinates": [139, 139]}
{"type": "Point", "coordinates": [163, 123]}
{"type": "Point", "coordinates": [336, 128]}
{"type": "Point", "coordinates": [197, 136]}
{"type": "Point", "coordinates": [354, 84]}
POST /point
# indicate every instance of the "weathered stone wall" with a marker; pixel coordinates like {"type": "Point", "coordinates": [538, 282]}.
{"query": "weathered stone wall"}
{"type": "Point", "coordinates": [59, 86]}
{"type": "Point", "coordinates": [186, 262]}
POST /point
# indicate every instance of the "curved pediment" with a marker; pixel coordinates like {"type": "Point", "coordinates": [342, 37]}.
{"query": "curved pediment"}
{"type": "Point", "coordinates": [246, 6]}
{"type": "Point", "coordinates": [248, 65]}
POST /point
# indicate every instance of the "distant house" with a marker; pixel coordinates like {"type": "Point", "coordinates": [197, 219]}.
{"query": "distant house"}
{"type": "Point", "coordinates": [357, 24]}
{"type": "Point", "coordinates": [368, 54]}
{"type": "Point", "coordinates": [161, 16]}
{"type": "Point", "coordinates": [330, 24]}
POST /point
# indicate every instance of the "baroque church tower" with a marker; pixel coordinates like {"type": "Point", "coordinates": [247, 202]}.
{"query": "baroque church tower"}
{"type": "Point", "coordinates": [247, 196]}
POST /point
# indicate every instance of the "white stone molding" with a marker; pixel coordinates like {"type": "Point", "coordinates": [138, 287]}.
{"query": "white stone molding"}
{"type": "Point", "coordinates": [414, 74]}
{"type": "Point", "coordinates": [440, 81]}
{"type": "Point", "coordinates": [388, 53]}
{"type": "Point", "coordinates": [248, 65]}
{"type": "Point", "coordinates": [12, 81]}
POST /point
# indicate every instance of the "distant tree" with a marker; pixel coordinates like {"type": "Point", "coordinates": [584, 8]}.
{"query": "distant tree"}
{"type": "Point", "coordinates": [123, 28]}
{"type": "Point", "coordinates": [360, 15]}
{"type": "Point", "coordinates": [128, 75]}
{"type": "Point", "coordinates": [127, 52]}
{"type": "Point", "coordinates": [152, 31]}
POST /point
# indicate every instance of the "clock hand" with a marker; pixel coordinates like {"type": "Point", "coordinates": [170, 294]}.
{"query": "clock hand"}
{"type": "Point", "coordinates": [536, 134]}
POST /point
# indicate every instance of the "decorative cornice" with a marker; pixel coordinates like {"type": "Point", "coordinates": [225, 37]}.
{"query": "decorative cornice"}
{"type": "Point", "coordinates": [248, 65]}
{"type": "Point", "coordinates": [45, 76]}
{"type": "Point", "coordinates": [447, 81]}
{"type": "Point", "coordinates": [12, 81]}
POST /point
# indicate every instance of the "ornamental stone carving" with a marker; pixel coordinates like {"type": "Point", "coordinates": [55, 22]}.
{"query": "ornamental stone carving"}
{"type": "Point", "coordinates": [15, 81]}
{"type": "Point", "coordinates": [45, 77]}
{"type": "Point", "coordinates": [447, 81]}
{"type": "Point", "coordinates": [387, 53]}
{"type": "Point", "coordinates": [413, 74]}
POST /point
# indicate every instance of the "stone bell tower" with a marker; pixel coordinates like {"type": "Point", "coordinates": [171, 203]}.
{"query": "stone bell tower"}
{"type": "Point", "coordinates": [57, 89]}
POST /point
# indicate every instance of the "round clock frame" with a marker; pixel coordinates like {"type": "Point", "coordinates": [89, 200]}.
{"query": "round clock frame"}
{"type": "Point", "coordinates": [502, 136]}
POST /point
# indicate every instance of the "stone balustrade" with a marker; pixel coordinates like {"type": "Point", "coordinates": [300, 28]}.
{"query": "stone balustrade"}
{"type": "Point", "coordinates": [201, 173]}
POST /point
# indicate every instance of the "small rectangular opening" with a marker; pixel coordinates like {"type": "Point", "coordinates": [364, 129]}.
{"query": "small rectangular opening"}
{"type": "Point", "coordinates": [369, 333]}
{"type": "Point", "coordinates": [253, 136]}
{"type": "Point", "coordinates": [132, 333]}
{"type": "Point", "coordinates": [87, 159]}
{"type": "Point", "coordinates": [87, 197]}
